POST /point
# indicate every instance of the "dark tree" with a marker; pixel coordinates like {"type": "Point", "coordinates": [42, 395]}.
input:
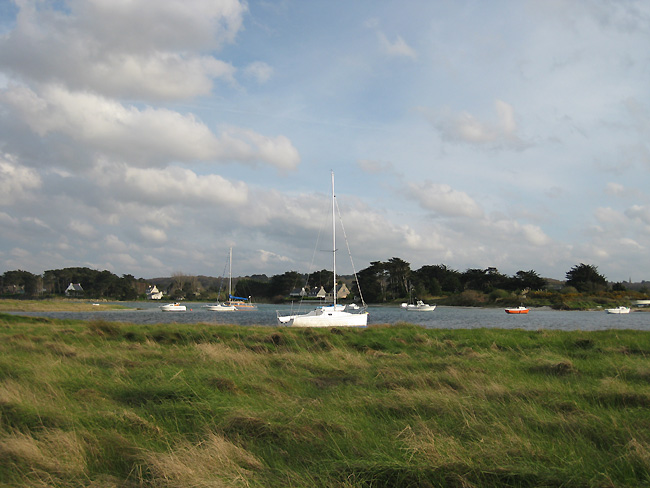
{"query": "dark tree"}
{"type": "Point", "coordinates": [252, 288]}
{"type": "Point", "coordinates": [528, 279]}
{"type": "Point", "coordinates": [585, 278]}
{"type": "Point", "coordinates": [399, 273]}
{"type": "Point", "coordinates": [324, 278]}
{"type": "Point", "coordinates": [24, 280]}
{"type": "Point", "coordinates": [281, 285]}
{"type": "Point", "coordinates": [372, 281]}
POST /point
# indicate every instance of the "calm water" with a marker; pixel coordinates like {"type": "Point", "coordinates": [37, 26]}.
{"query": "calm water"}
{"type": "Point", "coordinates": [441, 318]}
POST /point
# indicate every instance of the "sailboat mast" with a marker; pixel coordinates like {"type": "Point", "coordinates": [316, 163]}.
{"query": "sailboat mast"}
{"type": "Point", "coordinates": [333, 241]}
{"type": "Point", "coordinates": [230, 275]}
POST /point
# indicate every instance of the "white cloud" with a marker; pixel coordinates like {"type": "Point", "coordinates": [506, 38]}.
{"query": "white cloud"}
{"type": "Point", "coordinates": [114, 244]}
{"type": "Point", "coordinates": [607, 215]}
{"type": "Point", "coordinates": [140, 48]}
{"type": "Point", "coordinates": [375, 167]}
{"type": "Point", "coordinates": [465, 127]}
{"type": "Point", "coordinates": [444, 200]}
{"type": "Point", "coordinates": [639, 212]}
{"type": "Point", "coordinates": [156, 236]}
{"type": "Point", "coordinates": [178, 186]}
{"type": "Point", "coordinates": [268, 256]}
{"type": "Point", "coordinates": [260, 71]}
{"type": "Point", "coordinates": [82, 228]}
{"type": "Point", "coordinates": [141, 136]}
{"type": "Point", "coordinates": [397, 48]}
{"type": "Point", "coordinates": [16, 181]}
{"type": "Point", "coordinates": [615, 189]}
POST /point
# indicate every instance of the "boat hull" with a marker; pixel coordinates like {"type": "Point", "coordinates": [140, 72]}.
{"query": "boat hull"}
{"type": "Point", "coordinates": [325, 318]}
{"type": "Point", "coordinates": [516, 311]}
{"type": "Point", "coordinates": [220, 308]}
{"type": "Point", "coordinates": [242, 306]}
{"type": "Point", "coordinates": [173, 307]}
{"type": "Point", "coordinates": [416, 308]}
{"type": "Point", "coordinates": [618, 310]}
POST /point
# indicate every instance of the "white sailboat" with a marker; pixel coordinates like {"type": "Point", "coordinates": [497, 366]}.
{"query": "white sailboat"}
{"type": "Point", "coordinates": [240, 303]}
{"type": "Point", "coordinates": [334, 315]}
{"type": "Point", "coordinates": [234, 303]}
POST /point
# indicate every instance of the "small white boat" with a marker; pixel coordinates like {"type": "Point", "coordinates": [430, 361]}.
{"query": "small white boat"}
{"type": "Point", "coordinates": [618, 310]}
{"type": "Point", "coordinates": [220, 307]}
{"type": "Point", "coordinates": [418, 306]}
{"type": "Point", "coordinates": [173, 307]}
{"type": "Point", "coordinates": [517, 310]}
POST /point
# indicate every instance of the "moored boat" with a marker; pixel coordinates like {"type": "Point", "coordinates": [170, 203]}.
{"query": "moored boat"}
{"type": "Point", "coordinates": [418, 306]}
{"type": "Point", "coordinates": [173, 307]}
{"type": "Point", "coordinates": [221, 307]}
{"type": "Point", "coordinates": [618, 310]}
{"type": "Point", "coordinates": [333, 315]}
{"type": "Point", "coordinates": [517, 310]}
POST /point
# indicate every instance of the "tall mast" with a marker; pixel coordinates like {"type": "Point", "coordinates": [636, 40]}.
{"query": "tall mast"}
{"type": "Point", "coordinates": [333, 241]}
{"type": "Point", "coordinates": [230, 275]}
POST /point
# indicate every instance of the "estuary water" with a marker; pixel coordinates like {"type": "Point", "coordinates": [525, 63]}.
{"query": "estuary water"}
{"type": "Point", "coordinates": [440, 318]}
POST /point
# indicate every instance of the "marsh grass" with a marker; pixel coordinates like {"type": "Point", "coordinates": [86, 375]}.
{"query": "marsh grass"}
{"type": "Point", "coordinates": [104, 404]}
{"type": "Point", "coordinates": [59, 305]}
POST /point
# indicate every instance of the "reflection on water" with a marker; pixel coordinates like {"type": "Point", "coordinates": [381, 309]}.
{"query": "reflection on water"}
{"type": "Point", "coordinates": [441, 318]}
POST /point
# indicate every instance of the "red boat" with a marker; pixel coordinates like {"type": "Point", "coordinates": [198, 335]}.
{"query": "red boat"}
{"type": "Point", "coordinates": [517, 310]}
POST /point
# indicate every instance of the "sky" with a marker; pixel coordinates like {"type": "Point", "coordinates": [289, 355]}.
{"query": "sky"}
{"type": "Point", "coordinates": [148, 137]}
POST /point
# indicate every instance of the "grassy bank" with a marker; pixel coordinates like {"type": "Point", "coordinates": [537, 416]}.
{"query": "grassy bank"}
{"type": "Point", "coordinates": [105, 404]}
{"type": "Point", "coordinates": [55, 305]}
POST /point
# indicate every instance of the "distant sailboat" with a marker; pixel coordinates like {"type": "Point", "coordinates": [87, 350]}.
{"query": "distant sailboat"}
{"type": "Point", "coordinates": [240, 303]}
{"type": "Point", "coordinates": [223, 307]}
{"type": "Point", "coordinates": [334, 315]}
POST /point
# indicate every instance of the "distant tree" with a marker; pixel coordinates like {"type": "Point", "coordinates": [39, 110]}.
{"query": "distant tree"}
{"type": "Point", "coordinates": [24, 280]}
{"type": "Point", "coordinates": [324, 278]}
{"type": "Point", "coordinates": [399, 274]}
{"type": "Point", "coordinates": [475, 279]}
{"type": "Point", "coordinates": [372, 281]}
{"type": "Point", "coordinates": [619, 287]}
{"type": "Point", "coordinates": [439, 278]}
{"type": "Point", "coordinates": [528, 279]}
{"type": "Point", "coordinates": [247, 287]}
{"type": "Point", "coordinates": [585, 278]}
{"type": "Point", "coordinates": [281, 285]}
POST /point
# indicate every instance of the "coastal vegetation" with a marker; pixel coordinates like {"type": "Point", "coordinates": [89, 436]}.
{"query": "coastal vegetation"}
{"type": "Point", "coordinates": [120, 405]}
{"type": "Point", "coordinates": [388, 282]}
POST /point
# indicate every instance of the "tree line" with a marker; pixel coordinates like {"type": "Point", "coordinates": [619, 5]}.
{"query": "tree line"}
{"type": "Point", "coordinates": [382, 281]}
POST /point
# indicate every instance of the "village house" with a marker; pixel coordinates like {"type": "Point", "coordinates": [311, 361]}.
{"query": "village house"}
{"type": "Point", "coordinates": [153, 293]}
{"type": "Point", "coordinates": [341, 293]}
{"type": "Point", "coordinates": [74, 290]}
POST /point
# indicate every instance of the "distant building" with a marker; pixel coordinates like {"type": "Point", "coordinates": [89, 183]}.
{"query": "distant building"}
{"type": "Point", "coordinates": [74, 290]}
{"type": "Point", "coordinates": [317, 292]}
{"type": "Point", "coordinates": [153, 293]}
{"type": "Point", "coordinates": [298, 292]}
{"type": "Point", "coordinates": [341, 292]}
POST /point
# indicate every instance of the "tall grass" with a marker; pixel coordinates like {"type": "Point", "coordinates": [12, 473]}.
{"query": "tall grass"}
{"type": "Point", "coordinates": [105, 404]}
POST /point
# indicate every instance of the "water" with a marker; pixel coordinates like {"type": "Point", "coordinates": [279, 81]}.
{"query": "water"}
{"type": "Point", "coordinates": [441, 318]}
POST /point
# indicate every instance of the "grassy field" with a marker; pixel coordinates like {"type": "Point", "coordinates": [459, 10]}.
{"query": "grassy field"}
{"type": "Point", "coordinates": [55, 305]}
{"type": "Point", "coordinates": [120, 405]}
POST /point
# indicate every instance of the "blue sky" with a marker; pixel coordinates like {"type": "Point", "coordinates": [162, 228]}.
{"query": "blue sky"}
{"type": "Point", "coordinates": [147, 137]}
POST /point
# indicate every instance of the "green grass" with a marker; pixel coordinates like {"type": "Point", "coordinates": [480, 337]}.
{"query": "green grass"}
{"type": "Point", "coordinates": [106, 404]}
{"type": "Point", "coordinates": [57, 304]}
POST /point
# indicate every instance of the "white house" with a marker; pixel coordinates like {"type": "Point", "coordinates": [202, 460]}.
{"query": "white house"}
{"type": "Point", "coordinates": [317, 292]}
{"type": "Point", "coordinates": [74, 289]}
{"type": "Point", "coordinates": [153, 293]}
